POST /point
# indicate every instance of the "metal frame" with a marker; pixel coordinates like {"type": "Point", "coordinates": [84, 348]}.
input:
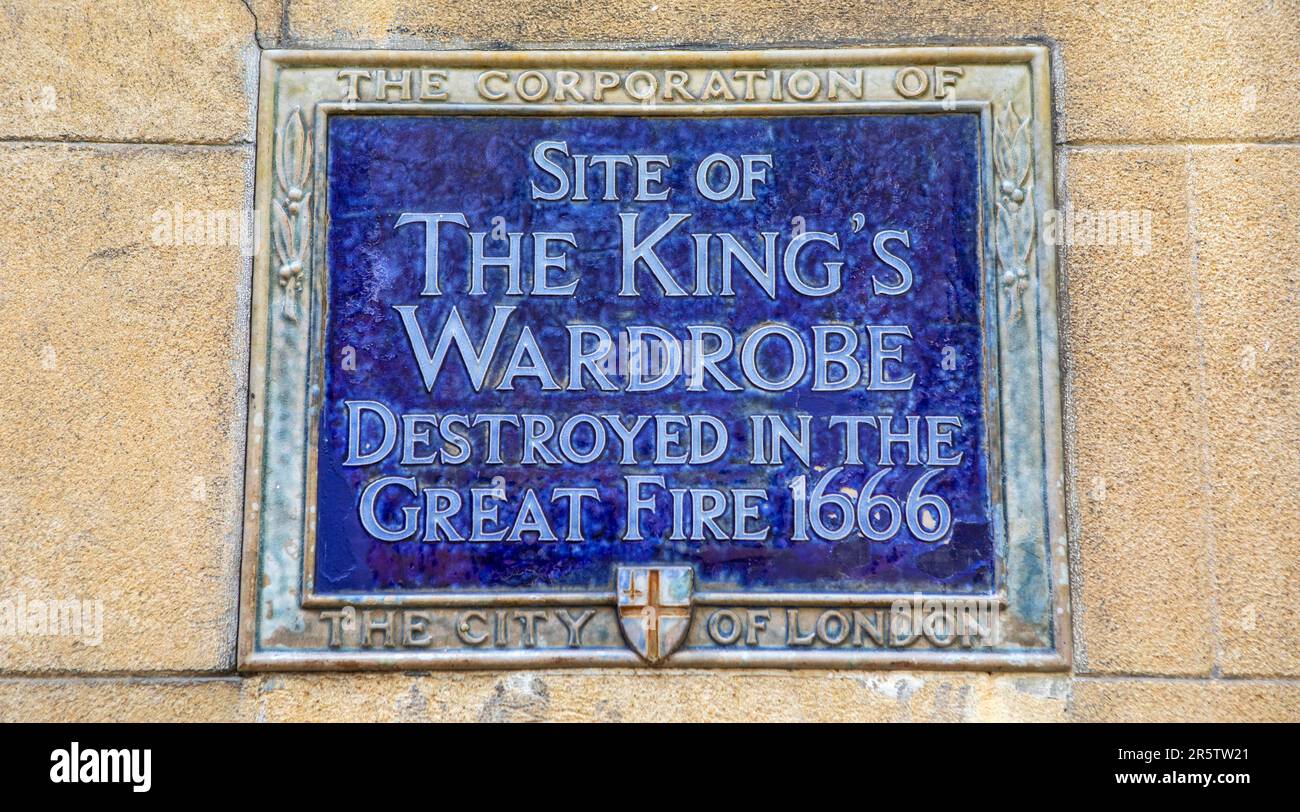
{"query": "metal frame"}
{"type": "Point", "coordinates": [280, 615]}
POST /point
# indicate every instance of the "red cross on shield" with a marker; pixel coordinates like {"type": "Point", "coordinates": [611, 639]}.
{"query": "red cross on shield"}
{"type": "Point", "coordinates": [654, 608]}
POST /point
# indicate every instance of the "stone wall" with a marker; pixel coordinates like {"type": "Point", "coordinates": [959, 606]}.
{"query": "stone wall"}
{"type": "Point", "coordinates": [125, 377]}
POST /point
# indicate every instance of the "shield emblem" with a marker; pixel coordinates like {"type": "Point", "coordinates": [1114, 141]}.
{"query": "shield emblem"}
{"type": "Point", "coordinates": [654, 608]}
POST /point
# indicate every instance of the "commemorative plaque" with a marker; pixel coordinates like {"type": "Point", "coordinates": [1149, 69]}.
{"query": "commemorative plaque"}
{"type": "Point", "coordinates": [654, 358]}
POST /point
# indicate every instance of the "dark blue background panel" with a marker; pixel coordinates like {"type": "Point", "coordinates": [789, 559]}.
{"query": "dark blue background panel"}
{"type": "Point", "coordinates": [918, 173]}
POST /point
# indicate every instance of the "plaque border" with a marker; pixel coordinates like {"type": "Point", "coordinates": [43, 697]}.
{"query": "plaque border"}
{"type": "Point", "coordinates": [280, 448]}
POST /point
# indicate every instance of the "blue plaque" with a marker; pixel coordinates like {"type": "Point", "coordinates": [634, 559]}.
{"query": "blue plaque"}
{"type": "Point", "coordinates": [701, 362]}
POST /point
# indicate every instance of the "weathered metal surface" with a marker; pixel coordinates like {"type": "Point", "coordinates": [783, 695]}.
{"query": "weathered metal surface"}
{"type": "Point", "coordinates": [407, 508]}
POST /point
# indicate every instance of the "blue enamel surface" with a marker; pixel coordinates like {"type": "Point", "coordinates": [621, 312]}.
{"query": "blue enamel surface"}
{"type": "Point", "coordinates": [913, 172]}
